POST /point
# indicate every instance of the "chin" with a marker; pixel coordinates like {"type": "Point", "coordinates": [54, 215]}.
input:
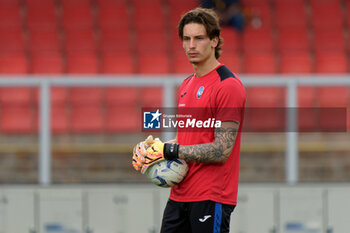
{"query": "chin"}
{"type": "Point", "coordinates": [194, 60]}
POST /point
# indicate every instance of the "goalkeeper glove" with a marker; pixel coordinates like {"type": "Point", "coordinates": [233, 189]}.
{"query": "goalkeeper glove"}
{"type": "Point", "coordinates": [151, 151]}
{"type": "Point", "coordinates": [139, 153]}
{"type": "Point", "coordinates": [159, 151]}
{"type": "Point", "coordinates": [154, 154]}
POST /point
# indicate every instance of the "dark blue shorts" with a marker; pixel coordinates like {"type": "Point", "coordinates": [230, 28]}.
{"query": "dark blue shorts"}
{"type": "Point", "coordinates": [196, 217]}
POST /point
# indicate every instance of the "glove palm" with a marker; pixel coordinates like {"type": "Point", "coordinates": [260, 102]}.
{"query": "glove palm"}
{"type": "Point", "coordinates": [147, 153]}
{"type": "Point", "coordinates": [154, 154]}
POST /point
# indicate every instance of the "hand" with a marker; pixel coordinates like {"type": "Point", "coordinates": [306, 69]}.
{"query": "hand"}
{"type": "Point", "coordinates": [140, 151]}
{"type": "Point", "coordinates": [154, 154]}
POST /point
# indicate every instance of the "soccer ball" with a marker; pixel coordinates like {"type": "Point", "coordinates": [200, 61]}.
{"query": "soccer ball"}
{"type": "Point", "coordinates": [167, 173]}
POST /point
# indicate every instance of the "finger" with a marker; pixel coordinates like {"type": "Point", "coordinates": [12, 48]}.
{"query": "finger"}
{"type": "Point", "coordinates": [141, 147]}
{"type": "Point", "coordinates": [135, 165]}
{"type": "Point", "coordinates": [138, 159]}
{"type": "Point", "coordinates": [149, 140]}
{"type": "Point", "coordinates": [140, 155]}
{"type": "Point", "coordinates": [135, 157]}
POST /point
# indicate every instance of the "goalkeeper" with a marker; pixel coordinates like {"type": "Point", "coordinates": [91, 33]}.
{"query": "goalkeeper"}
{"type": "Point", "coordinates": [204, 200]}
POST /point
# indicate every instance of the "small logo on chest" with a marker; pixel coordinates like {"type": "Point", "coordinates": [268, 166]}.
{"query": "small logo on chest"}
{"type": "Point", "coordinates": [200, 92]}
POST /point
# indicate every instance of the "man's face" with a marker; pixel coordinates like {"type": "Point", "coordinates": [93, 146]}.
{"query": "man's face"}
{"type": "Point", "coordinates": [196, 43]}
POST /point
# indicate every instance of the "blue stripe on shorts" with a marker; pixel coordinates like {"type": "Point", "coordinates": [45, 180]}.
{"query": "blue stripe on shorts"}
{"type": "Point", "coordinates": [217, 218]}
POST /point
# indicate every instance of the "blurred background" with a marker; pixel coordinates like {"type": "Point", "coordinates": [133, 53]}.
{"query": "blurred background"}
{"type": "Point", "coordinates": [95, 128]}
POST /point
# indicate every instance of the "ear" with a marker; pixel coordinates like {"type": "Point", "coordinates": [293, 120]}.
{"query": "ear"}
{"type": "Point", "coordinates": [214, 42]}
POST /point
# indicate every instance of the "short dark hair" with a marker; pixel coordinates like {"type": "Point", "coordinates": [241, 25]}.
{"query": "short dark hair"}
{"type": "Point", "coordinates": [209, 19]}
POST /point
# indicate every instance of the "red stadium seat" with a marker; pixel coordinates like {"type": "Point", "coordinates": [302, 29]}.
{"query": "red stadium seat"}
{"type": "Point", "coordinates": [118, 41]}
{"type": "Point", "coordinates": [296, 62]}
{"type": "Point", "coordinates": [290, 14]}
{"type": "Point", "coordinates": [307, 97]}
{"type": "Point", "coordinates": [35, 3]}
{"type": "Point", "coordinates": [16, 120]}
{"type": "Point", "coordinates": [13, 63]}
{"type": "Point", "coordinates": [10, 17]}
{"type": "Point", "coordinates": [123, 119]}
{"type": "Point", "coordinates": [117, 63]}
{"type": "Point", "coordinates": [80, 39]}
{"type": "Point", "coordinates": [113, 16]}
{"type": "Point", "coordinates": [347, 15]}
{"type": "Point", "coordinates": [265, 109]}
{"type": "Point", "coordinates": [154, 63]}
{"type": "Point", "coordinates": [122, 96]}
{"type": "Point", "coordinates": [111, 3]}
{"type": "Point", "coordinates": [176, 44]}
{"type": "Point", "coordinates": [151, 97]}
{"type": "Point", "coordinates": [42, 17]}
{"type": "Point", "coordinates": [87, 119]}
{"type": "Point", "coordinates": [141, 3]}
{"type": "Point", "coordinates": [59, 119]}
{"type": "Point", "coordinates": [232, 42]}
{"type": "Point", "coordinates": [260, 63]}
{"type": "Point", "coordinates": [9, 3]}
{"type": "Point", "coordinates": [267, 97]}
{"type": "Point", "coordinates": [293, 39]}
{"type": "Point", "coordinates": [327, 15]}
{"type": "Point", "coordinates": [333, 97]}
{"type": "Point", "coordinates": [69, 3]}
{"type": "Point", "coordinates": [80, 96]}
{"type": "Point", "coordinates": [307, 112]}
{"type": "Point", "coordinates": [232, 61]}
{"type": "Point", "coordinates": [331, 62]}
{"type": "Point", "coordinates": [19, 96]}
{"type": "Point", "coordinates": [77, 16]}
{"type": "Point", "coordinates": [12, 40]}
{"type": "Point", "coordinates": [47, 63]}
{"type": "Point", "coordinates": [328, 99]}
{"type": "Point", "coordinates": [181, 64]}
{"type": "Point", "coordinates": [82, 63]}
{"type": "Point", "coordinates": [262, 119]}
{"type": "Point", "coordinates": [149, 17]}
{"type": "Point", "coordinates": [329, 39]}
{"type": "Point", "coordinates": [44, 40]}
{"type": "Point", "coordinates": [146, 41]}
{"type": "Point", "coordinates": [313, 2]}
{"type": "Point", "coordinates": [257, 41]}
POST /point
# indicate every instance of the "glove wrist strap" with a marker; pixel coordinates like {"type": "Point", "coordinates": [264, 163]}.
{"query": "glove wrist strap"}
{"type": "Point", "coordinates": [171, 151]}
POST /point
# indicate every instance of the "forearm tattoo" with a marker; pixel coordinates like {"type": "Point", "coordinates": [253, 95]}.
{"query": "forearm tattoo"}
{"type": "Point", "coordinates": [215, 152]}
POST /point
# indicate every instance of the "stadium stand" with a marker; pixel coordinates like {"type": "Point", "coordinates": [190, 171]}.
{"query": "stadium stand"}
{"type": "Point", "coordinates": [129, 37]}
{"type": "Point", "coordinates": [17, 120]}
{"type": "Point", "coordinates": [296, 62]}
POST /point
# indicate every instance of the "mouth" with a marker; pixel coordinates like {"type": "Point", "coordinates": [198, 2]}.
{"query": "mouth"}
{"type": "Point", "coordinates": [192, 54]}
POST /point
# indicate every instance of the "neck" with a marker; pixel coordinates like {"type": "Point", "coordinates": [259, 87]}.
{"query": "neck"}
{"type": "Point", "coordinates": [203, 68]}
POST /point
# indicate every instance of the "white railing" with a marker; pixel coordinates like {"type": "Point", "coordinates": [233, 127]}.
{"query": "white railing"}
{"type": "Point", "coordinates": [168, 83]}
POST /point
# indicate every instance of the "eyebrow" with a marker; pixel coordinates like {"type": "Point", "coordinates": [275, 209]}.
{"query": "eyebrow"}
{"type": "Point", "coordinates": [201, 35]}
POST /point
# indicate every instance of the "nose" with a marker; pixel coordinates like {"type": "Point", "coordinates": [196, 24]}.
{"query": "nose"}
{"type": "Point", "coordinates": [192, 43]}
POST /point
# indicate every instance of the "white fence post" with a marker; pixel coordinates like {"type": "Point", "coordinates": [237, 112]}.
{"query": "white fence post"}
{"type": "Point", "coordinates": [45, 134]}
{"type": "Point", "coordinates": [292, 157]}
